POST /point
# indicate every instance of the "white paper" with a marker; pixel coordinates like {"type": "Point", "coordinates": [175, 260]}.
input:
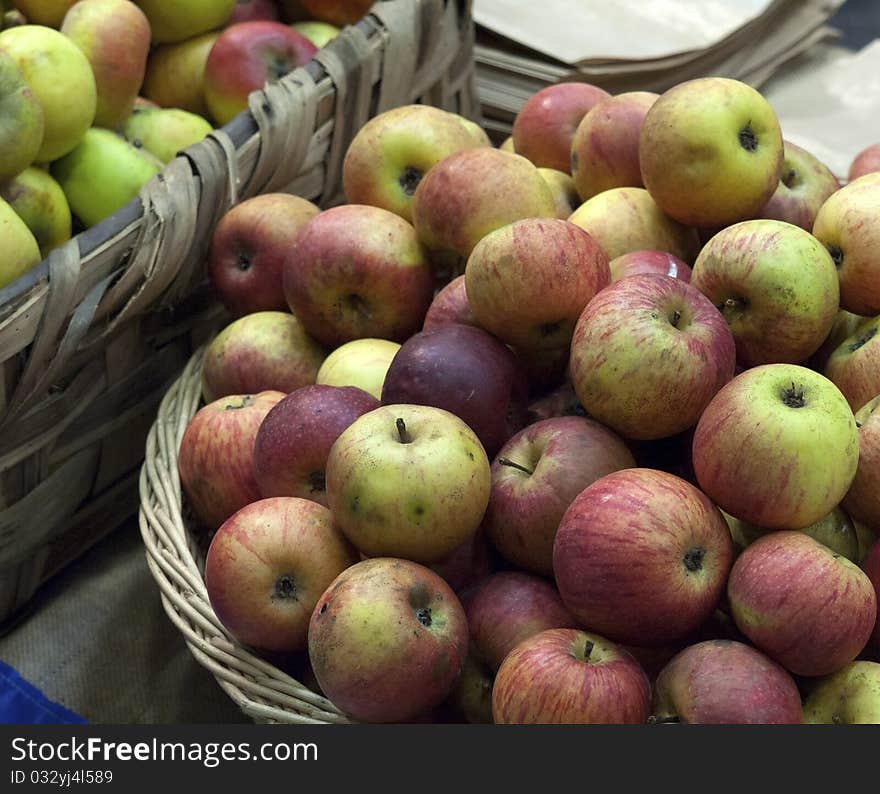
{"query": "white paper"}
{"type": "Point", "coordinates": [573, 31]}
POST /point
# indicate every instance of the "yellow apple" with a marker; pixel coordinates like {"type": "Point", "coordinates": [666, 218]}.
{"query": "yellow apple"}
{"type": "Point", "coordinates": [44, 12]}
{"type": "Point", "coordinates": [21, 120]}
{"type": "Point", "coordinates": [361, 362]}
{"type": "Point", "coordinates": [20, 250]}
{"type": "Point", "coordinates": [319, 33]}
{"type": "Point", "coordinates": [178, 21]}
{"type": "Point", "coordinates": [176, 72]}
{"type": "Point", "coordinates": [40, 202]}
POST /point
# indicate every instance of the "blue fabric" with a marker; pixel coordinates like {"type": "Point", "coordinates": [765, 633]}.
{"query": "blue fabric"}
{"type": "Point", "coordinates": [21, 703]}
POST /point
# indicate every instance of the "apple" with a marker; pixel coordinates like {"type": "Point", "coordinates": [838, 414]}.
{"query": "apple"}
{"type": "Point", "coordinates": [845, 325]}
{"type": "Point", "coordinates": [836, 531]}
{"type": "Point", "coordinates": [854, 367]}
{"type": "Point", "coordinates": [251, 10]}
{"type": "Point", "coordinates": [776, 286]}
{"type": "Point", "coordinates": [545, 125]}
{"type": "Point", "coordinates": [723, 682]}
{"type": "Point", "coordinates": [60, 78]}
{"type": "Point", "coordinates": [114, 35]}
{"type": "Point", "coordinates": [390, 155]}
{"type": "Point", "coordinates": [806, 182]}
{"type": "Point", "coordinates": [471, 193]}
{"type": "Point", "coordinates": [294, 440]}
{"type": "Point", "coordinates": [605, 147]}
{"type": "Point", "coordinates": [636, 262]}
{"type": "Point", "coordinates": [759, 452]}
{"type": "Point", "coordinates": [802, 604]}
{"type": "Point", "coordinates": [507, 145]}
{"type": "Point", "coordinates": [173, 22]}
{"type": "Point", "coordinates": [850, 696]}
{"type": "Point", "coordinates": [862, 500]}
{"type": "Point", "coordinates": [479, 136]}
{"type": "Point", "coordinates": [711, 151]}
{"type": "Point", "coordinates": [244, 58]}
{"type": "Point", "coordinates": [319, 33]}
{"type": "Point", "coordinates": [642, 556]}
{"type": "Point", "coordinates": [625, 219]}
{"type": "Point", "coordinates": [164, 132]}
{"type": "Point", "coordinates": [468, 563]}
{"type": "Point", "coordinates": [465, 371]}
{"type": "Point", "coordinates": [565, 194]}
{"type": "Point", "coordinates": [472, 695]}
{"type": "Point", "coordinates": [336, 12]}
{"type": "Point", "coordinates": [649, 352]}
{"type": "Point", "coordinates": [509, 607]}
{"type": "Point", "coordinates": [867, 536]}
{"type": "Point", "coordinates": [845, 226]}
{"type": "Point", "coordinates": [102, 174]}
{"type": "Point", "coordinates": [40, 202]}
{"type": "Point", "coordinates": [20, 249]}
{"type": "Point", "coordinates": [568, 676]}
{"type": "Point", "coordinates": [871, 566]}
{"type": "Point", "coordinates": [267, 566]}
{"type": "Point", "coordinates": [215, 461]}
{"type": "Point", "coordinates": [264, 351]}
{"type": "Point", "coordinates": [536, 476]}
{"type": "Point", "coordinates": [545, 370]}
{"type": "Point", "coordinates": [248, 248]}
{"type": "Point", "coordinates": [356, 272]}
{"type": "Point", "coordinates": [528, 282]}
{"type": "Point", "coordinates": [362, 363]}
{"type": "Point", "coordinates": [865, 162]}
{"type": "Point", "coordinates": [21, 120]}
{"type": "Point", "coordinates": [44, 12]}
{"type": "Point", "coordinates": [176, 74]}
{"type": "Point", "coordinates": [409, 481]}
{"type": "Point", "coordinates": [375, 614]}
{"type": "Point", "coordinates": [450, 305]}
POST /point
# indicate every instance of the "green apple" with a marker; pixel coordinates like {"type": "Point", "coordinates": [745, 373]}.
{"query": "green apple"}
{"type": "Point", "coordinates": [176, 73]}
{"type": "Point", "coordinates": [626, 219]}
{"type": "Point", "coordinates": [408, 481]}
{"type": "Point", "coordinates": [163, 132]}
{"type": "Point", "coordinates": [40, 202]}
{"type": "Point", "coordinates": [20, 249]}
{"type": "Point", "coordinates": [851, 696]}
{"type": "Point", "coordinates": [711, 151]}
{"type": "Point", "coordinates": [102, 174]}
{"type": "Point", "coordinates": [845, 325]}
{"type": "Point", "coordinates": [319, 33]}
{"type": "Point", "coordinates": [393, 151]}
{"type": "Point", "coordinates": [837, 531]}
{"type": "Point", "coordinates": [115, 37]}
{"type": "Point", "coordinates": [44, 12]}
{"type": "Point", "coordinates": [177, 21]}
{"type": "Point", "coordinates": [846, 225]}
{"type": "Point", "coordinates": [61, 78]}
{"type": "Point", "coordinates": [361, 362]}
{"type": "Point", "coordinates": [854, 366]}
{"type": "Point", "coordinates": [776, 286]}
{"type": "Point", "coordinates": [21, 120]}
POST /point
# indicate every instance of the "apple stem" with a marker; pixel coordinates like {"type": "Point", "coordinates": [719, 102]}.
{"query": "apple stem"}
{"type": "Point", "coordinates": [588, 649]}
{"type": "Point", "coordinates": [401, 431]}
{"type": "Point", "coordinates": [508, 462]}
{"type": "Point", "coordinates": [863, 339]}
{"type": "Point", "coordinates": [674, 318]}
{"type": "Point", "coordinates": [285, 587]}
{"type": "Point", "coordinates": [693, 558]}
{"type": "Point", "coordinates": [245, 402]}
{"type": "Point", "coordinates": [793, 396]}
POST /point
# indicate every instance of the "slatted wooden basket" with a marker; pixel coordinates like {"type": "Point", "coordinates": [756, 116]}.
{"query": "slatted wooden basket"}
{"type": "Point", "coordinates": [91, 339]}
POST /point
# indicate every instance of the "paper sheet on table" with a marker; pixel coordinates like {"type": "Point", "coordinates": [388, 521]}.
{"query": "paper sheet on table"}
{"type": "Point", "coordinates": [830, 105]}
{"type": "Point", "coordinates": [578, 31]}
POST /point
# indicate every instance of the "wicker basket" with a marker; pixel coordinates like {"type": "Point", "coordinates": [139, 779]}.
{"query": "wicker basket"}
{"type": "Point", "coordinates": [92, 337]}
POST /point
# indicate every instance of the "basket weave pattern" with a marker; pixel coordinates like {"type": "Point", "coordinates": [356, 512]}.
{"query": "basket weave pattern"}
{"type": "Point", "coordinates": [92, 337]}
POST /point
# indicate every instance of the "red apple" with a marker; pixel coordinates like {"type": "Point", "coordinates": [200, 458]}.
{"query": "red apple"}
{"type": "Point", "coordinates": [248, 246]}
{"type": "Point", "coordinates": [216, 458]}
{"type": "Point", "coordinates": [637, 262]}
{"type": "Point", "coordinates": [465, 371]}
{"type": "Point", "coordinates": [251, 10]}
{"type": "Point", "coordinates": [810, 609]}
{"type": "Point", "coordinates": [723, 682]}
{"type": "Point", "coordinates": [648, 354]}
{"type": "Point", "coordinates": [865, 162]}
{"type": "Point", "coordinates": [545, 370]}
{"type": "Point", "coordinates": [450, 305]}
{"type": "Point", "coordinates": [509, 607]}
{"type": "Point", "coordinates": [358, 272]}
{"type": "Point", "coordinates": [259, 352]}
{"type": "Point", "coordinates": [535, 477]}
{"type": "Point", "coordinates": [561, 401]}
{"type": "Point", "coordinates": [546, 123]}
{"type": "Point", "coordinates": [871, 566]}
{"type": "Point", "coordinates": [642, 557]}
{"type": "Point", "coordinates": [854, 367]}
{"type": "Point", "coordinates": [294, 440]}
{"type": "Point", "coordinates": [244, 58]}
{"type": "Point", "coordinates": [468, 564]}
{"type": "Point", "coordinates": [336, 12]}
{"type": "Point", "coordinates": [268, 565]}
{"type": "Point", "coordinates": [862, 501]}
{"type": "Point", "coordinates": [567, 676]}
{"type": "Point", "coordinates": [375, 614]}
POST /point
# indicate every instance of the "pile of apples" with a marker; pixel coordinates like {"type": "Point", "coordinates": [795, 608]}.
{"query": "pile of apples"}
{"type": "Point", "coordinates": [97, 95]}
{"type": "Point", "coordinates": [583, 428]}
